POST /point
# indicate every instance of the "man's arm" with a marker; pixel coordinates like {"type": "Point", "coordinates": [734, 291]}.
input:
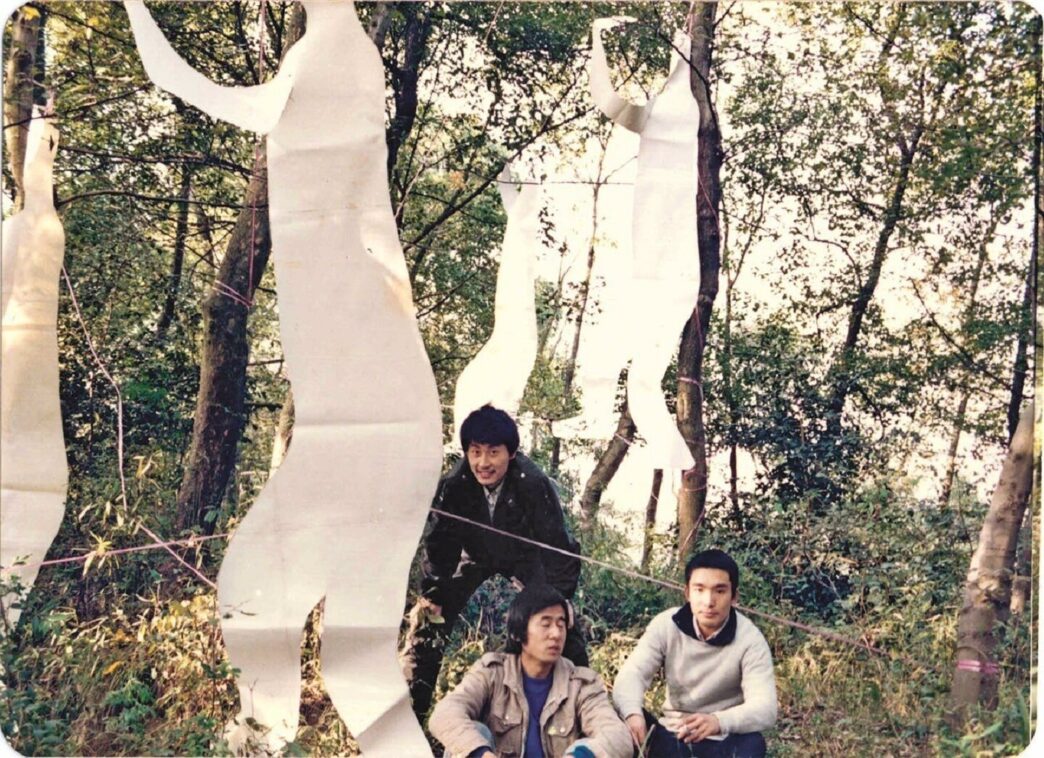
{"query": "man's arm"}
{"type": "Point", "coordinates": [600, 723]}
{"type": "Point", "coordinates": [442, 545]}
{"type": "Point", "coordinates": [453, 721]}
{"type": "Point", "coordinates": [757, 712]}
{"type": "Point", "coordinates": [562, 571]}
{"type": "Point", "coordinates": [637, 674]}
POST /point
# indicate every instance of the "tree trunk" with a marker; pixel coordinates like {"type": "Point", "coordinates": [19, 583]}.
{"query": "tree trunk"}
{"type": "Point", "coordinates": [1022, 582]}
{"type": "Point", "coordinates": [380, 22]}
{"type": "Point", "coordinates": [221, 404]}
{"type": "Point", "coordinates": [841, 371]}
{"type": "Point", "coordinates": [951, 459]}
{"type": "Point", "coordinates": [180, 240]}
{"type": "Point", "coordinates": [987, 590]}
{"type": "Point", "coordinates": [962, 407]}
{"type": "Point", "coordinates": [1018, 381]}
{"type": "Point", "coordinates": [650, 518]}
{"type": "Point", "coordinates": [607, 466]}
{"type": "Point", "coordinates": [730, 400]}
{"type": "Point", "coordinates": [1021, 368]}
{"type": "Point", "coordinates": [692, 499]}
{"type": "Point", "coordinates": [26, 31]}
{"type": "Point", "coordinates": [404, 80]}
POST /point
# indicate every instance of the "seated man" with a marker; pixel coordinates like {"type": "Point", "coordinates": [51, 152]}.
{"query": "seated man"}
{"type": "Point", "coordinates": [530, 700]}
{"type": "Point", "coordinates": [493, 485]}
{"type": "Point", "coordinates": [721, 690]}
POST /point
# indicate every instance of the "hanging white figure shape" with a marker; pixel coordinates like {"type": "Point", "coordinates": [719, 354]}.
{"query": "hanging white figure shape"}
{"type": "Point", "coordinates": [665, 280]}
{"type": "Point", "coordinates": [34, 474]}
{"type": "Point", "coordinates": [602, 350]}
{"type": "Point", "coordinates": [500, 370]}
{"type": "Point", "coordinates": [342, 516]}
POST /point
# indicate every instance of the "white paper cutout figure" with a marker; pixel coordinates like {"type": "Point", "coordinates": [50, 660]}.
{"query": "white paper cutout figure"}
{"type": "Point", "coordinates": [500, 370]}
{"type": "Point", "coordinates": [665, 283]}
{"type": "Point", "coordinates": [34, 474]}
{"type": "Point", "coordinates": [342, 516]}
{"type": "Point", "coordinates": [603, 349]}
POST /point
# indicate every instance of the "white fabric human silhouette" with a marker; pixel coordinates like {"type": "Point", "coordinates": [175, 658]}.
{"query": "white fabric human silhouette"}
{"type": "Point", "coordinates": [500, 370]}
{"type": "Point", "coordinates": [665, 282]}
{"type": "Point", "coordinates": [34, 474]}
{"type": "Point", "coordinates": [342, 516]}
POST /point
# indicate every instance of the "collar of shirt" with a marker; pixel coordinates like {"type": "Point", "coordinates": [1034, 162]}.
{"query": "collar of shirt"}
{"type": "Point", "coordinates": [492, 495]}
{"type": "Point", "coordinates": [699, 634]}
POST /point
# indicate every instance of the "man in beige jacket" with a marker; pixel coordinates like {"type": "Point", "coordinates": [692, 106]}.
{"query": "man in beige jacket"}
{"type": "Point", "coordinates": [530, 700]}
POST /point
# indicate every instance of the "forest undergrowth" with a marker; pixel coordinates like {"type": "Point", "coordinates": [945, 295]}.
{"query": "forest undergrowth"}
{"type": "Point", "coordinates": [148, 675]}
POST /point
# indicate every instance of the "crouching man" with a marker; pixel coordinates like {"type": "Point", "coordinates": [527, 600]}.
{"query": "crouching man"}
{"type": "Point", "coordinates": [494, 485]}
{"type": "Point", "coordinates": [721, 689]}
{"type": "Point", "coordinates": [530, 700]}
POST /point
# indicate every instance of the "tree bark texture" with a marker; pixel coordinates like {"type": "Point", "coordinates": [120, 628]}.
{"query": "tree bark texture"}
{"type": "Point", "coordinates": [221, 404]}
{"type": "Point", "coordinates": [987, 590]}
{"type": "Point", "coordinates": [26, 30]}
{"type": "Point", "coordinates": [1018, 380]}
{"type": "Point", "coordinates": [1022, 582]}
{"type": "Point", "coordinates": [692, 498]}
{"type": "Point", "coordinates": [221, 412]}
{"type": "Point", "coordinates": [650, 518]}
{"type": "Point", "coordinates": [405, 77]}
{"type": "Point", "coordinates": [606, 467]}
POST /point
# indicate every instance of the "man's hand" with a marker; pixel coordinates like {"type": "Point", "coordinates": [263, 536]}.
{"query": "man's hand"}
{"type": "Point", "coordinates": [636, 723]}
{"type": "Point", "coordinates": [430, 608]}
{"type": "Point", "coordinates": [698, 726]}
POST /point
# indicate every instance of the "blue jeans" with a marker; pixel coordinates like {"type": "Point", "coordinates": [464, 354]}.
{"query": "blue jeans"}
{"type": "Point", "coordinates": [578, 748]}
{"type": "Point", "coordinates": [664, 744]}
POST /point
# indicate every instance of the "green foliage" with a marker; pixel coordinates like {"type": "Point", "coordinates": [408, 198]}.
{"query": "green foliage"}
{"type": "Point", "coordinates": [121, 654]}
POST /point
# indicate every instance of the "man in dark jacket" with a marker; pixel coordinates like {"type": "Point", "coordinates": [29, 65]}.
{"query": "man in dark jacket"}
{"type": "Point", "coordinates": [496, 486]}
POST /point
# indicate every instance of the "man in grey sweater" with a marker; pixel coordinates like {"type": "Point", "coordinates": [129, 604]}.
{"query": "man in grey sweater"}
{"type": "Point", "coordinates": [721, 689]}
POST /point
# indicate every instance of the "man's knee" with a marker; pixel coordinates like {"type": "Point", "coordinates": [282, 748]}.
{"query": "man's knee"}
{"type": "Point", "coordinates": [487, 735]}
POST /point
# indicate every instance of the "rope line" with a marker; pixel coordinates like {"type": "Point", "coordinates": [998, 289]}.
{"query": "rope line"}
{"type": "Point", "coordinates": [187, 542]}
{"type": "Point", "coordinates": [631, 573]}
{"type": "Point", "coordinates": [676, 586]}
{"type": "Point", "coordinates": [119, 427]}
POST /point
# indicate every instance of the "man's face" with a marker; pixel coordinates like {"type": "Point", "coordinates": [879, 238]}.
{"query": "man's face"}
{"type": "Point", "coordinates": [545, 635]}
{"type": "Point", "coordinates": [709, 593]}
{"type": "Point", "coordinates": [489, 463]}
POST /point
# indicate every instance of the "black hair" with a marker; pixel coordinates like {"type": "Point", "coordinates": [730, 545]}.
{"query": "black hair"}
{"type": "Point", "coordinates": [714, 559]}
{"type": "Point", "coordinates": [489, 426]}
{"type": "Point", "coordinates": [527, 603]}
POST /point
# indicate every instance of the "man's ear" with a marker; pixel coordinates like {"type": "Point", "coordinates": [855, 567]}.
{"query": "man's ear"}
{"type": "Point", "coordinates": [512, 456]}
{"type": "Point", "coordinates": [735, 599]}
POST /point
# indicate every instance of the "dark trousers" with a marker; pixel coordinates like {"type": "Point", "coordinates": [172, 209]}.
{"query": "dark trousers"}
{"type": "Point", "coordinates": [426, 642]}
{"type": "Point", "coordinates": [662, 743]}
